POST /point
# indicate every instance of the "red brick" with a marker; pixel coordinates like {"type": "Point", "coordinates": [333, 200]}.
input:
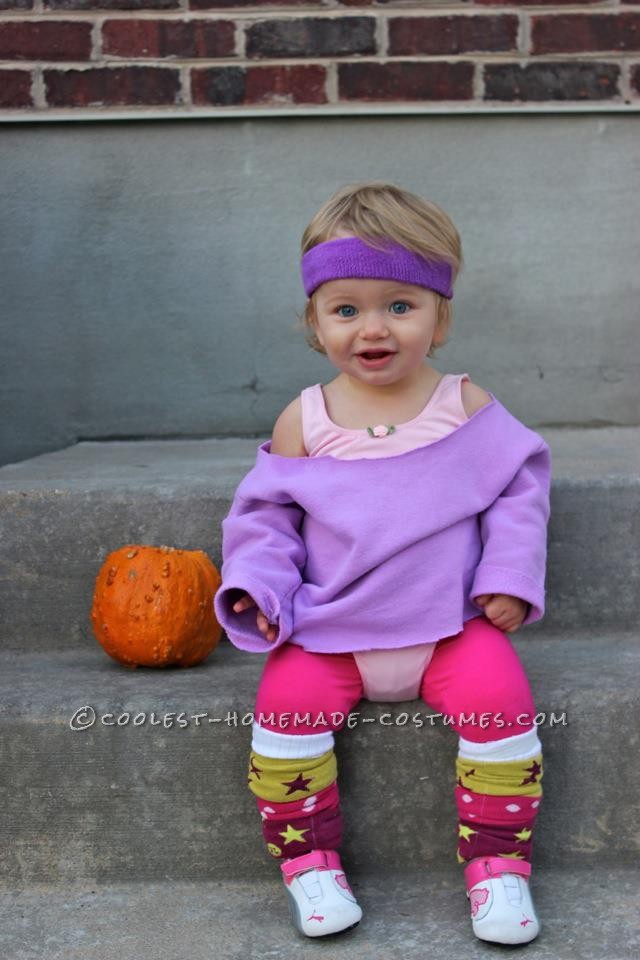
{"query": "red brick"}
{"type": "Point", "coordinates": [232, 86]}
{"type": "Point", "coordinates": [405, 81]}
{"type": "Point", "coordinates": [15, 89]}
{"type": "Point", "coordinates": [238, 4]}
{"type": "Point", "coordinates": [576, 33]}
{"type": "Point", "coordinates": [296, 84]}
{"type": "Point", "coordinates": [532, 3]}
{"type": "Point", "coordinates": [451, 35]}
{"type": "Point", "coordinates": [127, 86]}
{"type": "Point", "coordinates": [220, 86]}
{"type": "Point", "coordinates": [111, 4]}
{"type": "Point", "coordinates": [45, 40]}
{"type": "Point", "coordinates": [168, 38]}
{"type": "Point", "coordinates": [573, 80]}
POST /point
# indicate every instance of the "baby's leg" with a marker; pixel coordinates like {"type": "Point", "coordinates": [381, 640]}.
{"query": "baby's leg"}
{"type": "Point", "coordinates": [499, 766]}
{"type": "Point", "coordinates": [302, 699]}
{"type": "Point", "coordinates": [477, 675]}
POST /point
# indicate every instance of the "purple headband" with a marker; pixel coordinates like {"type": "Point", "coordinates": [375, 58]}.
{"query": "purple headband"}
{"type": "Point", "coordinates": [352, 257]}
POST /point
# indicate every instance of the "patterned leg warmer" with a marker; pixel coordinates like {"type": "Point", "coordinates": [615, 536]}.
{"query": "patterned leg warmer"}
{"type": "Point", "coordinates": [297, 797]}
{"type": "Point", "coordinates": [498, 795]}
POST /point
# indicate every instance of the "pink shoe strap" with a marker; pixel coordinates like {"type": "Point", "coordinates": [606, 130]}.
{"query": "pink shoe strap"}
{"type": "Point", "coordinates": [483, 868]}
{"type": "Point", "coordinates": [317, 859]}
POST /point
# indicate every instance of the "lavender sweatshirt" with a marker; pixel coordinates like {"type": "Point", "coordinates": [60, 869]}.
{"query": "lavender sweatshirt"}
{"type": "Point", "coordinates": [369, 554]}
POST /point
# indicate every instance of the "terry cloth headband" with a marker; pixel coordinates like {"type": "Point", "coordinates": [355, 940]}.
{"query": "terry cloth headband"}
{"type": "Point", "coordinates": [352, 257]}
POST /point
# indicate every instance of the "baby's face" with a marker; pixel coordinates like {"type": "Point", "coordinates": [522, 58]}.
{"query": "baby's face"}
{"type": "Point", "coordinates": [353, 317]}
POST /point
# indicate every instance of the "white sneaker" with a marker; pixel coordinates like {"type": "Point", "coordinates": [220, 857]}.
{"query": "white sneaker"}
{"type": "Point", "coordinates": [502, 910]}
{"type": "Point", "coordinates": [320, 899]}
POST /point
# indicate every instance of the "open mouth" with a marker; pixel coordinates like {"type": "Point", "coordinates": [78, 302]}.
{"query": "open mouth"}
{"type": "Point", "coordinates": [375, 354]}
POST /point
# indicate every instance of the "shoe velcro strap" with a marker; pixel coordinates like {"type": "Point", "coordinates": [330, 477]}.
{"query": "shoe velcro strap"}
{"type": "Point", "coordinates": [483, 868]}
{"type": "Point", "coordinates": [317, 859]}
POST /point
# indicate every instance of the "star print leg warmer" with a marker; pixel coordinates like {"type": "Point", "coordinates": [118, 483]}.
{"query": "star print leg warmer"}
{"type": "Point", "coordinates": [498, 799]}
{"type": "Point", "coordinates": [476, 678]}
{"type": "Point", "coordinates": [302, 699]}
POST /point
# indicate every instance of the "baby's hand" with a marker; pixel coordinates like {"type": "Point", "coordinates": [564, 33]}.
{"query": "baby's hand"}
{"type": "Point", "coordinates": [505, 612]}
{"type": "Point", "coordinates": [269, 630]}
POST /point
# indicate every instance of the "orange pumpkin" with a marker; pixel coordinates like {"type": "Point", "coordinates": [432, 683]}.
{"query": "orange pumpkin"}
{"type": "Point", "coordinates": [153, 606]}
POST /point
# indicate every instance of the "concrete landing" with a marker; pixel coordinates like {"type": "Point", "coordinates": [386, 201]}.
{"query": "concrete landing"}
{"type": "Point", "coordinates": [585, 914]}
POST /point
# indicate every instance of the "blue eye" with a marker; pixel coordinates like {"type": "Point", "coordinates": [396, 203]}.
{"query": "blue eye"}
{"type": "Point", "coordinates": [404, 307]}
{"type": "Point", "coordinates": [346, 310]}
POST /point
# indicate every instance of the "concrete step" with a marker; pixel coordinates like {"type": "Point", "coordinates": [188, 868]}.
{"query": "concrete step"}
{"type": "Point", "coordinates": [146, 798]}
{"type": "Point", "coordinates": [585, 914]}
{"type": "Point", "coordinates": [62, 513]}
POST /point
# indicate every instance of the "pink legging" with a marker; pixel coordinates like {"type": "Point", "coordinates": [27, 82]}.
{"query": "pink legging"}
{"type": "Point", "coordinates": [475, 672]}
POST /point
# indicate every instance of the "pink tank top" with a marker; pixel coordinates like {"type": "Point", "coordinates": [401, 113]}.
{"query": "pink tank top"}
{"type": "Point", "coordinates": [387, 675]}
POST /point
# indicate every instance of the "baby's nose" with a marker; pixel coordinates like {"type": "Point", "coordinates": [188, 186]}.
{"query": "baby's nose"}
{"type": "Point", "coordinates": [374, 323]}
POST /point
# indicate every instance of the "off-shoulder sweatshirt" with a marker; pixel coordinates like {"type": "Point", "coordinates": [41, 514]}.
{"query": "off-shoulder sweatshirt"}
{"type": "Point", "coordinates": [377, 553]}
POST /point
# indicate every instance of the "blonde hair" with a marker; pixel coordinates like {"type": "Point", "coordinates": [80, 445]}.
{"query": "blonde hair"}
{"type": "Point", "coordinates": [375, 211]}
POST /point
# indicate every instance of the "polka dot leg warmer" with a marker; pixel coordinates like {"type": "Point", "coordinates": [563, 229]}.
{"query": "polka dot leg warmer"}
{"type": "Point", "coordinates": [298, 802]}
{"type": "Point", "coordinates": [497, 801]}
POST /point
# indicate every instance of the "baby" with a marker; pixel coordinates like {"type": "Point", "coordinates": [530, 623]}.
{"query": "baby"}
{"type": "Point", "coordinates": [390, 535]}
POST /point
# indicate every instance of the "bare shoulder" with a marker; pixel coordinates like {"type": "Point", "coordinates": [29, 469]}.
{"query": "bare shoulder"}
{"type": "Point", "coordinates": [287, 439]}
{"type": "Point", "coordinates": [473, 397]}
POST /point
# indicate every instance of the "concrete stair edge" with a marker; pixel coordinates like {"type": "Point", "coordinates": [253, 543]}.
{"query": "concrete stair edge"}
{"type": "Point", "coordinates": [585, 914]}
{"type": "Point", "coordinates": [62, 513]}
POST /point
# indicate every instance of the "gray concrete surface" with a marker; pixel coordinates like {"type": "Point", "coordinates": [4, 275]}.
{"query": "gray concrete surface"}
{"type": "Point", "coordinates": [585, 914]}
{"type": "Point", "coordinates": [62, 513]}
{"type": "Point", "coordinates": [150, 283]}
{"type": "Point", "coordinates": [131, 799]}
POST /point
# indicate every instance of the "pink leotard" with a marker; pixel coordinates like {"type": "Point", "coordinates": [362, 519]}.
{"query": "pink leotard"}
{"type": "Point", "coordinates": [387, 675]}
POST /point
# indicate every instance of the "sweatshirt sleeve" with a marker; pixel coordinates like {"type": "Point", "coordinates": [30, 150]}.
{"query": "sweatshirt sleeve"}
{"type": "Point", "coordinates": [263, 555]}
{"type": "Point", "coordinates": [514, 536]}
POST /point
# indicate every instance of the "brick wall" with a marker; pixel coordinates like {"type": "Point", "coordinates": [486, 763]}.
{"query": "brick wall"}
{"type": "Point", "coordinates": [195, 55]}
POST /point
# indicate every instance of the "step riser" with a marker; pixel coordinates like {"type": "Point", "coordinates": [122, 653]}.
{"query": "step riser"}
{"type": "Point", "coordinates": [115, 803]}
{"type": "Point", "coordinates": [53, 545]}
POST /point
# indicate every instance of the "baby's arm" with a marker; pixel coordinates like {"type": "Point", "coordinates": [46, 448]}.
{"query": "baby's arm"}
{"type": "Point", "coordinates": [263, 556]}
{"type": "Point", "coordinates": [287, 439]}
{"type": "Point", "coordinates": [514, 536]}
{"type": "Point", "coordinates": [504, 612]}
{"type": "Point", "coordinates": [269, 631]}
{"type": "Point", "coordinates": [261, 538]}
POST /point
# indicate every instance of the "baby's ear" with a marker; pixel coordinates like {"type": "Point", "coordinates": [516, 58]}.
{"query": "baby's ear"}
{"type": "Point", "coordinates": [312, 313]}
